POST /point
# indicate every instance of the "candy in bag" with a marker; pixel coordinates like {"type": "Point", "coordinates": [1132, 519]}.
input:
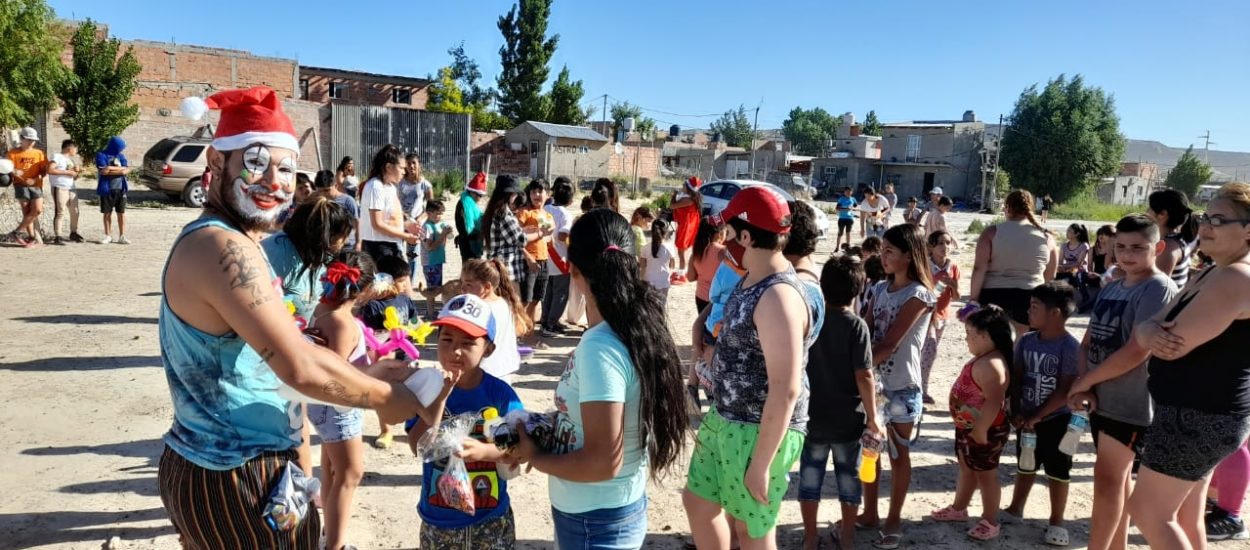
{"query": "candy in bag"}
{"type": "Point", "coordinates": [442, 443]}
{"type": "Point", "coordinates": [290, 499]}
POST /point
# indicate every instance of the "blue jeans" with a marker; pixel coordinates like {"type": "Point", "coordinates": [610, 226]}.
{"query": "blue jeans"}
{"type": "Point", "coordinates": [555, 299]}
{"type": "Point", "coordinates": [622, 528]}
{"type": "Point", "coordinates": [812, 464]}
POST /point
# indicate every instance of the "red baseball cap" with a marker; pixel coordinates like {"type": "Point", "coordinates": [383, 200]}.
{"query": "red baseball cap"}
{"type": "Point", "coordinates": [760, 207]}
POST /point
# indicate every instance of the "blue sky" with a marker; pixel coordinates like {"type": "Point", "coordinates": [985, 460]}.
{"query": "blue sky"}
{"type": "Point", "coordinates": [1176, 69]}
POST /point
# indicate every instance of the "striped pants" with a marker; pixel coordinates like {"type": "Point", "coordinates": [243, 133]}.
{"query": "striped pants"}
{"type": "Point", "coordinates": [213, 510]}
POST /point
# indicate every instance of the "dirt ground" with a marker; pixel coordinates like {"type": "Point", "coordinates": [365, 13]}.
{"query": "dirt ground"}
{"type": "Point", "coordinates": [86, 403]}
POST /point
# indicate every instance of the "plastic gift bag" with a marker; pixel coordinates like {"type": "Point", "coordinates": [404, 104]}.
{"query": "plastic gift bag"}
{"type": "Point", "coordinates": [442, 443]}
{"type": "Point", "coordinates": [290, 499]}
{"type": "Point", "coordinates": [539, 426]}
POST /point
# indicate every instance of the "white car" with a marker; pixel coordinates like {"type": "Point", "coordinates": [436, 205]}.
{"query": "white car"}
{"type": "Point", "coordinates": [716, 196]}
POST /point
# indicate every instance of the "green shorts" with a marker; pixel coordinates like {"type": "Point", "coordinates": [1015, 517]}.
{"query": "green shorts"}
{"type": "Point", "coordinates": [722, 452]}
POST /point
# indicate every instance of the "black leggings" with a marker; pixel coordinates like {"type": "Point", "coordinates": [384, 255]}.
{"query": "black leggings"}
{"type": "Point", "coordinates": [700, 304]}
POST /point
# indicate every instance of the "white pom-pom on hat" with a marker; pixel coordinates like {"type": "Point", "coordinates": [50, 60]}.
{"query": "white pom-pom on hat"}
{"type": "Point", "coordinates": [193, 107]}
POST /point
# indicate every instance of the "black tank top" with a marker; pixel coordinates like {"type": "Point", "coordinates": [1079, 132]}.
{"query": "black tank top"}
{"type": "Point", "coordinates": [1212, 378]}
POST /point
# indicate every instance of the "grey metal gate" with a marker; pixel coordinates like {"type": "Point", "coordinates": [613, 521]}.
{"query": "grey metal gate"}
{"type": "Point", "coordinates": [441, 139]}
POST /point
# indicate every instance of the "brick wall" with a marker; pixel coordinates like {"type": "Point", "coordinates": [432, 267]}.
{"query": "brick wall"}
{"type": "Point", "coordinates": [649, 158]}
{"type": "Point", "coordinates": [362, 92]}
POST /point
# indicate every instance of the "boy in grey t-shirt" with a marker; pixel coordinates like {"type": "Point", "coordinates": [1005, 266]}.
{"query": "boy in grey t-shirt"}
{"type": "Point", "coordinates": [1113, 381]}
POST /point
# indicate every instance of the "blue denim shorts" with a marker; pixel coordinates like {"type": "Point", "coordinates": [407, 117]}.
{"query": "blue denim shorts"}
{"type": "Point", "coordinates": [334, 425]}
{"type": "Point", "coordinates": [812, 464]}
{"type": "Point", "coordinates": [905, 406]}
{"type": "Point", "coordinates": [623, 528]}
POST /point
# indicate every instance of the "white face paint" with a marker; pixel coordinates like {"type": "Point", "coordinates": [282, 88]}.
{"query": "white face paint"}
{"type": "Point", "coordinates": [258, 200]}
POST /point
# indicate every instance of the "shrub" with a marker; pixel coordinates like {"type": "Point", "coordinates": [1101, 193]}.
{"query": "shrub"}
{"type": "Point", "coordinates": [661, 202]}
{"type": "Point", "coordinates": [1087, 206]}
{"type": "Point", "coordinates": [977, 226]}
{"type": "Point", "coordinates": [447, 183]}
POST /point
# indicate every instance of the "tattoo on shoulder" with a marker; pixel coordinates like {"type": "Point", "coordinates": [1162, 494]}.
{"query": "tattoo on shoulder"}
{"type": "Point", "coordinates": [339, 391]}
{"type": "Point", "coordinates": [243, 272]}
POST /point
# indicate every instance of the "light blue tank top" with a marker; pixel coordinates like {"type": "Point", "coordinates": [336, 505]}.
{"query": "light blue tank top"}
{"type": "Point", "coordinates": [226, 406]}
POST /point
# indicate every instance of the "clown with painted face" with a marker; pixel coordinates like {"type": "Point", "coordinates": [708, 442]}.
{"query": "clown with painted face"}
{"type": "Point", "coordinates": [228, 344]}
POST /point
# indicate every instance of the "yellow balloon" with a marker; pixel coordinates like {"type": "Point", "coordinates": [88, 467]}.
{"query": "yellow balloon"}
{"type": "Point", "coordinates": [421, 332]}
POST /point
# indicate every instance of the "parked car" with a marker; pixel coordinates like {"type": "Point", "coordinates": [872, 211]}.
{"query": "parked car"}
{"type": "Point", "coordinates": [174, 166]}
{"type": "Point", "coordinates": [716, 196]}
{"type": "Point", "coordinates": [791, 183]}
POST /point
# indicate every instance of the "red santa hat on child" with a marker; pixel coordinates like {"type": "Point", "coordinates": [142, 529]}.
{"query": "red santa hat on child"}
{"type": "Point", "coordinates": [248, 116]}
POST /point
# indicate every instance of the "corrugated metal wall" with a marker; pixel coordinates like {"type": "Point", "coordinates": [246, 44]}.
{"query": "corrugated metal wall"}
{"type": "Point", "coordinates": [441, 139]}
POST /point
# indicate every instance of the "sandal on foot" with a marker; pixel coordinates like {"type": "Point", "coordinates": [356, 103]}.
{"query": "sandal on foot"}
{"type": "Point", "coordinates": [384, 441]}
{"type": "Point", "coordinates": [888, 542]}
{"type": "Point", "coordinates": [984, 531]}
{"type": "Point", "coordinates": [1007, 516]}
{"type": "Point", "coordinates": [1056, 536]}
{"type": "Point", "coordinates": [837, 526]}
{"type": "Point", "coordinates": [949, 513]}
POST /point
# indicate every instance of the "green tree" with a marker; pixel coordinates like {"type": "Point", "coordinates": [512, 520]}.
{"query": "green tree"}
{"type": "Point", "coordinates": [98, 91]}
{"type": "Point", "coordinates": [1189, 174]}
{"type": "Point", "coordinates": [485, 120]}
{"type": "Point", "coordinates": [445, 95]}
{"type": "Point", "coordinates": [871, 126]}
{"type": "Point", "coordinates": [1062, 138]}
{"type": "Point", "coordinates": [464, 70]}
{"type": "Point", "coordinates": [30, 54]}
{"type": "Point", "coordinates": [621, 111]}
{"type": "Point", "coordinates": [524, 57]}
{"type": "Point", "coordinates": [735, 127]}
{"type": "Point", "coordinates": [810, 130]}
{"type": "Point", "coordinates": [566, 100]}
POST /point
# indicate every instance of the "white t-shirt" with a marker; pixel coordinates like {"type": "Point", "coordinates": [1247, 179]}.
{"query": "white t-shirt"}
{"type": "Point", "coordinates": [506, 359]}
{"type": "Point", "coordinates": [561, 222]}
{"type": "Point", "coordinates": [61, 161]}
{"type": "Point", "coordinates": [383, 197]}
{"type": "Point", "coordinates": [871, 207]}
{"type": "Point", "coordinates": [658, 271]}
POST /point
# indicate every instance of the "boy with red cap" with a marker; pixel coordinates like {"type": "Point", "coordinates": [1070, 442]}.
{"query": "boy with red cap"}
{"type": "Point", "coordinates": [748, 443]}
{"type": "Point", "coordinates": [228, 344]}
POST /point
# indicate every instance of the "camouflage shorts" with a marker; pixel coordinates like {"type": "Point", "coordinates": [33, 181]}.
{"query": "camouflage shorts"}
{"type": "Point", "coordinates": [495, 534]}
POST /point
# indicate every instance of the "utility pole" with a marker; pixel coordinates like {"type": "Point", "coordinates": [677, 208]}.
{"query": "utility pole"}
{"type": "Point", "coordinates": [605, 113]}
{"type": "Point", "coordinates": [755, 128]}
{"type": "Point", "coordinates": [998, 152]}
{"type": "Point", "coordinates": [1206, 149]}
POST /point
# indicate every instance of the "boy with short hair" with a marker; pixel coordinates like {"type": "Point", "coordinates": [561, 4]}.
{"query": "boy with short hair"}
{"type": "Point", "coordinates": [840, 373]}
{"type": "Point", "coordinates": [936, 218]}
{"type": "Point", "coordinates": [62, 172]}
{"type": "Point", "coordinates": [30, 165]}
{"type": "Point", "coordinates": [436, 233]}
{"type": "Point", "coordinates": [466, 335]}
{"type": "Point", "coordinates": [1046, 363]}
{"type": "Point", "coordinates": [747, 445]}
{"type": "Point", "coordinates": [913, 214]}
{"type": "Point", "coordinates": [1115, 369]}
{"type": "Point", "coordinates": [112, 187]}
{"type": "Point", "coordinates": [846, 215]}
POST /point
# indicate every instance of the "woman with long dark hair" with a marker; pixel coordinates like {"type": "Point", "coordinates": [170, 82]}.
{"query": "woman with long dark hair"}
{"type": "Point", "coordinates": [505, 238]}
{"type": "Point", "coordinates": [705, 259]}
{"type": "Point", "coordinates": [623, 416]}
{"type": "Point", "coordinates": [605, 195]}
{"type": "Point", "coordinates": [345, 177]}
{"type": "Point", "coordinates": [299, 254]}
{"type": "Point", "coordinates": [1171, 211]}
{"type": "Point", "coordinates": [381, 215]}
{"type": "Point", "coordinates": [1012, 258]}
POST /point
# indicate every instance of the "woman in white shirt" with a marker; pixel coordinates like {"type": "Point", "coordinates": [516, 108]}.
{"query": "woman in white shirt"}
{"type": "Point", "coordinates": [874, 208]}
{"type": "Point", "coordinates": [381, 215]}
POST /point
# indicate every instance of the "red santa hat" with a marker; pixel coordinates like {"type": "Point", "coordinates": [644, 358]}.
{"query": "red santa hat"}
{"type": "Point", "coordinates": [248, 116]}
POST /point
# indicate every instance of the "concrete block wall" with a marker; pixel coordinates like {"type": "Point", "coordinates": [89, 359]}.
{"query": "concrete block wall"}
{"type": "Point", "coordinates": [363, 93]}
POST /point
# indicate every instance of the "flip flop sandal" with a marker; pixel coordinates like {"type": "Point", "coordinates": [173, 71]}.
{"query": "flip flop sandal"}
{"type": "Point", "coordinates": [837, 526]}
{"type": "Point", "coordinates": [983, 531]}
{"type": "Point", "coordinates": [1056, 536]}
{"type": "Point", "coordinates": [888, 542]}
{"type": "Point", "coordinates": [949, 513]}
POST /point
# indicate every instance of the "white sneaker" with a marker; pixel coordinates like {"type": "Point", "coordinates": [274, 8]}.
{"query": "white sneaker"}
{"type": "Point", "coordinates": [106, 239]}
{"type": "Point", "coordinates": [123, 240]}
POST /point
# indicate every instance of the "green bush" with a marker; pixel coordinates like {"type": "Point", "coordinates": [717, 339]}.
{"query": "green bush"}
{"type": "Point", "coordinates": [446, 184]}
{"type": "Point", "coordinates": [977, 226]}
{"type": "Point", "coordinates": [1087, 206]}
{"type": "Point", "coordinates": [661, 202]}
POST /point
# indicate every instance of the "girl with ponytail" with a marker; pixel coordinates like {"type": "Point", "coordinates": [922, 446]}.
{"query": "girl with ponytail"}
{"type": "Point", "coordinates": [977, 404]}
{"type": "Point", "coordinates": [623, 415]}
{"type": "Point", "coordinates": [345, 281]}
{"type": "Point", "coordinates": [1171, 211]}
{"type": "Point", "coordinates": [488, 279]}
{"type": "Point", "coordinates": [299, 254]}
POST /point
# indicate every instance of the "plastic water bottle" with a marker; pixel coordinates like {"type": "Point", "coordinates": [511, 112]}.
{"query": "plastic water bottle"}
{"type": "Point", "coordinates": [1028, 444]}
{"type": "Point", "coordinates": [1077, 424]}
{"type": "Point", "coordinates": [426, 384]}
{"type": "Point", "coordinates": [868, 460]}
{"type": "Point", "coordinates": [490, 419]}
